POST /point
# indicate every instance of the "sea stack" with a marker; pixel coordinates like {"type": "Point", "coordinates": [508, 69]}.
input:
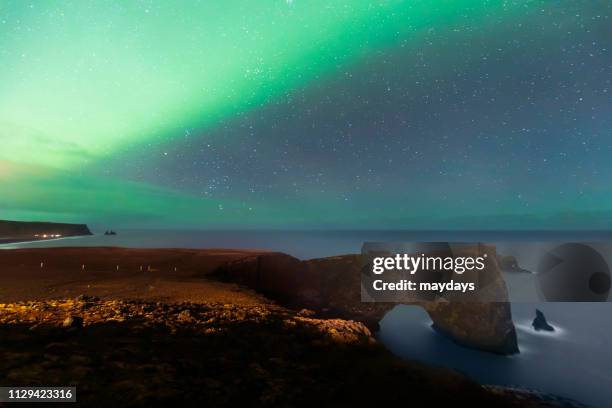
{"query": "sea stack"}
{"type": "Point", "coordinates": [540, 323]}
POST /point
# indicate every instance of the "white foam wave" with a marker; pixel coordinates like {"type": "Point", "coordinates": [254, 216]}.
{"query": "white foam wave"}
{"type": "Point", "coordinates": [526, 328]}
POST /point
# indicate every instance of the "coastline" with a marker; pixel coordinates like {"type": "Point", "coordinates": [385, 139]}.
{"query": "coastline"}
{"type": "Point", "coordinates": [8, 241]}
{"type": "Point", "coordinates": [12, 232]}
{"type": "Point", "coordinates": [129, 295]}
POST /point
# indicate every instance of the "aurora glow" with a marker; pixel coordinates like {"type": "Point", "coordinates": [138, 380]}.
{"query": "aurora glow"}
{"type": "Point", "coordinates": [104, 104]}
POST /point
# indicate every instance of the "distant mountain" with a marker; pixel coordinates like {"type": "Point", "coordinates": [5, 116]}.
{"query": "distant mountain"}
{"type": "Point", "coordinates": [26, 231]}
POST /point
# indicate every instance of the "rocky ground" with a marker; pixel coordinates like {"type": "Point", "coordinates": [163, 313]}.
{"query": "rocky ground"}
{"type": "Point", "coordinates": [154, 352]}
{"type": "Point", "coordinates": [137, 353]}
{"type": "Point", "coordinates": [170, 334]}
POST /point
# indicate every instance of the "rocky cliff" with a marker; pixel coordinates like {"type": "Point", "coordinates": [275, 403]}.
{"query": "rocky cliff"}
{"type": "Point", "coordinates": [159, 354]}
{"type": "Point", "coordinates": [18, 230]}
{"type": "Point", "coordinates": [331, 286]}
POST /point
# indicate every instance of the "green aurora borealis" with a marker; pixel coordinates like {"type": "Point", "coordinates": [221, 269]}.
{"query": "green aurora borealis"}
{"type": "Point", "coordinates": [88, 78]}
{"type": "Point", "coordinates": [86, 83]}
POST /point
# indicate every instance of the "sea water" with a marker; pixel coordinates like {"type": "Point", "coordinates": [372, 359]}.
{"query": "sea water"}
{"type": "Point", "coordinates": [574, 361]}
{"type": "Point", "coordinates": [302, 244]}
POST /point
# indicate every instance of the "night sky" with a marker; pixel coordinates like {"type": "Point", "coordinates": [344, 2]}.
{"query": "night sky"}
{"type": "Point", "coordinates": [307, 114]}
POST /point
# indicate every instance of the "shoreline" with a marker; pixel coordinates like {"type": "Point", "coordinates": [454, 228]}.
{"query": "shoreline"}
{"type": "Point", "coordinates": [8, 241]}
{"type": "Point", "coordinates": [144, 280]}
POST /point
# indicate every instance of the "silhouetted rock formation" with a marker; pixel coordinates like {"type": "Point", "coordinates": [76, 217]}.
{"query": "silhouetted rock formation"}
{"type": "Point", "coordinates": [20, 231]}
{"type": "Point", "coordinates": [332, 287]}
{"type": "Point", "coordinates": [540, 323]}
{"type": "Point", "coordinates": [510, 264]}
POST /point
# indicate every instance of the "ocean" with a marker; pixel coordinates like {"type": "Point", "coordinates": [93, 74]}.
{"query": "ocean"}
{"type": "Point", "coordinates": [303, 244]}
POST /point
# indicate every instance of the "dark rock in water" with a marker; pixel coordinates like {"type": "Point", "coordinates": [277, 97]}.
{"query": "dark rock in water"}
{"type": "Point", "coordinates": [510, 264]}
{"type": "Point", "coordinates": [73, 322]}
{"type": "Point", "coordinates": [540, 323]}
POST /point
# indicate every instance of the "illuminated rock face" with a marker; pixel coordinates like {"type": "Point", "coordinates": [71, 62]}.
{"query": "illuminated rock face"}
{"type": "Point", "coordinates": [484, 326]}
{"type": "Point", "coordinates": [331, 286]}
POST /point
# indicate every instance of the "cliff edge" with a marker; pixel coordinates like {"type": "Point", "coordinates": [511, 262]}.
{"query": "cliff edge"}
{"type": "Point", "coordinates": [21, 231]}
{"type": "Point", "coordinates": [331, 286]}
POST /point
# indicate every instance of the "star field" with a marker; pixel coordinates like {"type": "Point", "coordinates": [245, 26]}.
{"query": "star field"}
{"type": "Point", "coordinates": [484, 115]}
